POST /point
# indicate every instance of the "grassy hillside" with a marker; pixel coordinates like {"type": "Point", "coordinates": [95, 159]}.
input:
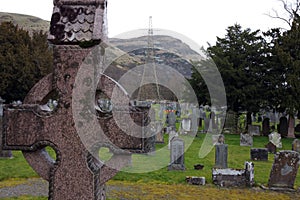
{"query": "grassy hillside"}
{"type": "Point", "coordinates": [29, 23]}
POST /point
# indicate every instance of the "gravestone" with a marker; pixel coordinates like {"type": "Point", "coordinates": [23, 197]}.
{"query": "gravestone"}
{"type": "Point", "coordinates": [291, 128]}
{"type": "Point", "coordinates": [195, 180]}
{"type": "Point", "coordinates": [159, 132]}
{"type": "Point", "coordinates": [72, 129]}
{"type": "Point", "coordinates": [3, 153]}
{"type": "Point", "coordinates": [177, 154]}
{"type": "Point", "coordinates": [259, 154]}
{"type": "Point", "coordinates": [218, 139]}
{"type": "Point", "coordinates": [172, 135]}
{"type": "Point", "coordinates": [266, 127]}
{"type": "Point", "coordinates": [2, 101]}
{"type": "Point", "coordinates": [246, 140]}
{"type": "Point", "coordinates": [186, 125]}
{"type": "Point", "coordinates": [171, 120]}
{"type": "Point", "coordinates": [271, 147]}
{"type": "Point", "coordinates": [275, 138]}
{"type": "Point", "coordinates": [234, 177]}
{"type": "Point", "coordinates": [206, 124]}
{"type": "Point", "coordinates": [221, 155]}
{"type": "Point", "coordinates": [297, 128]}
{"type": "Point", "coordinates": [283, 126]}
{"type": "Point", "coordinates": [194, 123]}
{"type": "Point", "coordinates": [254, 130]}
{"type": "Point", "coordinates": [296, 145]}
{"type": "Point", "coordinates": [284, 170]}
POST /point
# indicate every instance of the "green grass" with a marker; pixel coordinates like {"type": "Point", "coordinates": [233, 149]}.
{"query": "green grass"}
{"type": "Point", "coordinates": [15, 171]}
{"type": "Point", "coordinates": [237, 156]}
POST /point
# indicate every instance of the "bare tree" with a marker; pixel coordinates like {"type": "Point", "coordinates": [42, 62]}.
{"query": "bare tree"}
{"type": "Point", "coordinates": [291, 8]}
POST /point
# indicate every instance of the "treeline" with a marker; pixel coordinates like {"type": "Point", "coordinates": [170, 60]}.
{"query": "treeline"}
{"type": "Point", "coordinates": [260, 71]}
{"type": "Point", "coordinates": [24, 60]}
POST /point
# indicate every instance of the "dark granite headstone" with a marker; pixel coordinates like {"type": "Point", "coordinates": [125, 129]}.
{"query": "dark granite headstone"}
{"type": "Point", "coordinates": [259, 154]}
{"type": "Point", "coordinates": [171, 119]}
{"type": "Point", "coordinates": [271, 147]}
{"type": "Point", "coordinates": [284, 170]}
{"type": "Point", "coordinates": [177, 154]}
{"type": "Point", "coordinates": [266, 127]}
{"type": "Point", "coordinates": [283, 126]}
{"type": "Point", "coordinates": [221, 155]}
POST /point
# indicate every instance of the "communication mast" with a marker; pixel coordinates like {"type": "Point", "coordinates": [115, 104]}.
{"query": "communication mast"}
{"type": "Point", "coordinates": [150, 62]}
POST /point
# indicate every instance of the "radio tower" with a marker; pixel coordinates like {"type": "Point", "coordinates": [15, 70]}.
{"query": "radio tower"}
{"type": "Point", "coordinates": [151, 74]}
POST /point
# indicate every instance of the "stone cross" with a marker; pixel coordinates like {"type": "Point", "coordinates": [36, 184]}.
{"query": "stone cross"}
{"type": "Point", "coordinates": [77, 173]}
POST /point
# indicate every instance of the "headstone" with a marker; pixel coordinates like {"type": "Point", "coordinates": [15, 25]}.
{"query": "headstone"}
{"type": "Point", "coordinates": [3, 153]}
{"type": "Point", "coordinates": [194, 122]}
{"type": "Point", "coordinates": [234, 177]}
{"type": "Point", "coordinates": [266, 127]}
{"type": "Point", "coordinates": [195, 180]}
{"type": "Point", "coordinates": [291, 128]}
{"type": "Point", "coordinates": [177, 154]}
{"type": "Point", "coordinates": [246, 140]}
{"type": "Point", "coordinates": [271, 148]}
{"type": "Point", "coordinates": [275, 138]}
{"type": "Point", "coordinates": [213, 120]}
{"type": "Point", "coordinates": [171, 119]}
{"type": "Point", "coordinates": [71, 129]}
{"type": "Point", "coordinates": [254, 130]}
{"type": "Point", "coordinates": [218, 139]}
{"type": "Point", "coordinates": [284, 170]}
{"type": "Point", "coordinates": [1, 106]}
{"type": "Point", "coordinates": [206, 124]}
{"type": "Point", "coordinates": [297, 128]}
{"type": "Point", "coordinates": [259, 154]}
{"type": "Point", "coordinates": [172, 135]}
{"type": "Point", "coordinates": [283, 126]}
{"type": "Point", "coordinates": [159, 132]}
{"type": "Point", "coordinates": [186, 125]}
{"type": "Point", "coordinates": [296, 145]}
{"type": "Point", "coordinates": [221, 155]}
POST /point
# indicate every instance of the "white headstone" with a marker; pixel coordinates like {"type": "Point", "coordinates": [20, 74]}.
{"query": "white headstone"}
{"type": "Point", "coordinates": [275, 138]}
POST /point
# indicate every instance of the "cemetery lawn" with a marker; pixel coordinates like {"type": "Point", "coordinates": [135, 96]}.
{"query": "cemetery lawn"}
{"type": "Point", "coordinates": [164, 184]}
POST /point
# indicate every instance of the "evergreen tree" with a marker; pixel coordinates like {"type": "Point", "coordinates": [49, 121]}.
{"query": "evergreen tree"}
{"type": "Point", "coordinates": [23, 61]}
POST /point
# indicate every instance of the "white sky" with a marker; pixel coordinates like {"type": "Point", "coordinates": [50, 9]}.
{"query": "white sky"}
{"type": "Point", "coordinates": [199, 20]}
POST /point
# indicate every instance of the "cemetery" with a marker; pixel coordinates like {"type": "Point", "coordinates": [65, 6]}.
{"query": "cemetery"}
{"type": "Point", "coordinates": [78, 135]}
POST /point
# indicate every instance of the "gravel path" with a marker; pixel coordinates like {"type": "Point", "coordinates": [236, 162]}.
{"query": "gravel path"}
{"type": "Point", "coordinates": [33, 187]}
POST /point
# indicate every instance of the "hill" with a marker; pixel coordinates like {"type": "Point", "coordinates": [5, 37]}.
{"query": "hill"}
{"type": "Point", "coordinates": [27, 22]}
{"type": "Point", "coordinates": [167, 51]}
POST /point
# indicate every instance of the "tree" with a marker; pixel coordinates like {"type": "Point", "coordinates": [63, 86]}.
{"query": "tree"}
{"type": "Point", "coordinates": [291, 10]}
{"type": "Point", "coordinates": [23, 61]}
{"type": "Point", "coordinates": [240, 58]}
{"type": "Point", "coordinates": [288, 52]}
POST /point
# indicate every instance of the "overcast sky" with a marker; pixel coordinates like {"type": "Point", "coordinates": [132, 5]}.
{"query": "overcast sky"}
{"type": "Point", "coordinates": [199, 20]}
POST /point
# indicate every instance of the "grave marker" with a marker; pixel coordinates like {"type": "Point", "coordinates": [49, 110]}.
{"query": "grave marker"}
{"type": "Point", "coordinates": [283, 126]}
{"type": "Point", "coordinates": [221, 155]}
{"type": "Point", "coordinates": [246, 140]}
{"type": "Point", "coordinates": [284, 170]}
{"type": "Point", "coordinates": [259, 154]}
{"type": "Point", "coordinates": [177, 154]}
{"type": "Point", "coordinates": [254, 130]}
{"type": "Point", "coordinates": [296, 145]}
{"type": "Point", "coordinates": [266, 127]}
{"type": "Point", "coordinates": [77, 173]}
